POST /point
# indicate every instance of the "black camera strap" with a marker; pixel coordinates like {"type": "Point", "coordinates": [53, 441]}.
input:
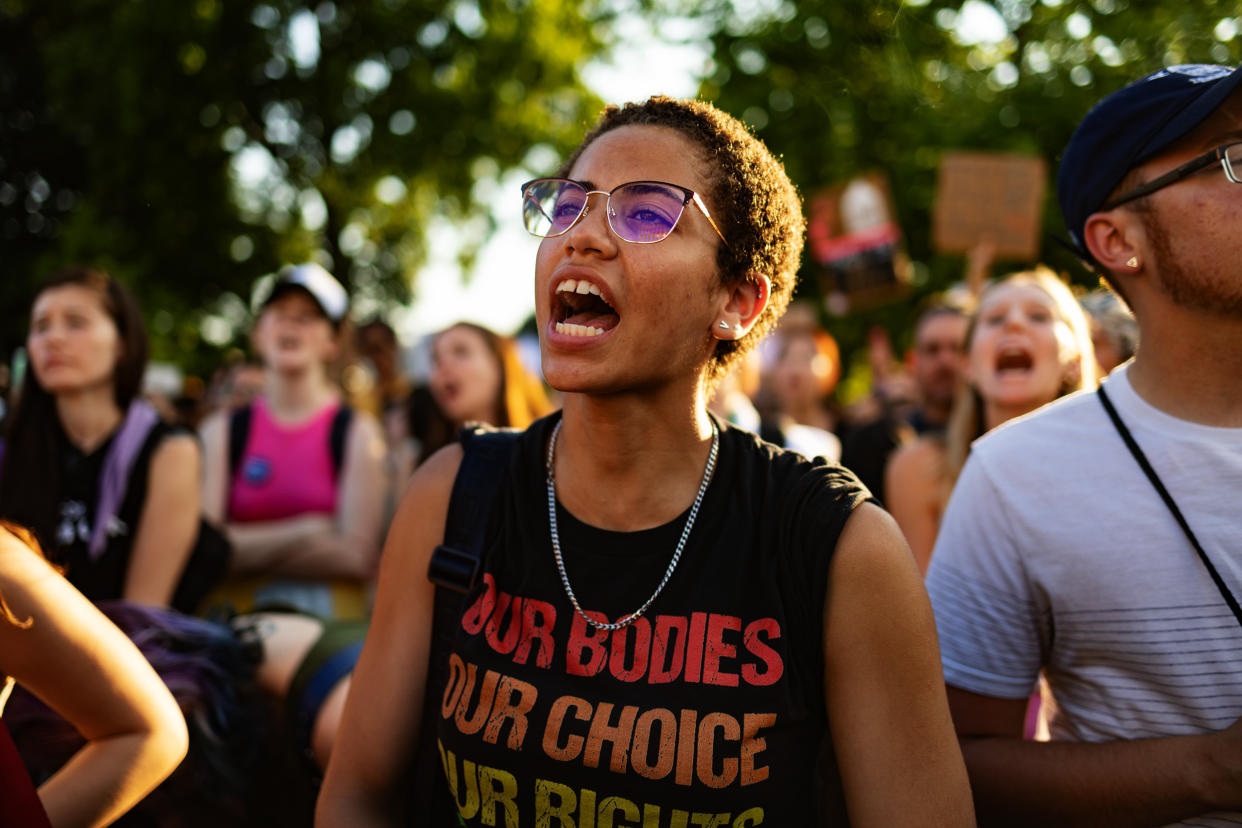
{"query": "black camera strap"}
{"type": "Point", "coordinates": [1168, 501]}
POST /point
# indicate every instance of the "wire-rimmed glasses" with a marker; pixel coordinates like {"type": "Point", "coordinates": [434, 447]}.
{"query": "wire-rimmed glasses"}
{"type": "Point", "coordinates": [641, 212]}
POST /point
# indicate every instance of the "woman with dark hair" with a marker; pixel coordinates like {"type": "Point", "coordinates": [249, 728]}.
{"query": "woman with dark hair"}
{"type": "Point", "coordinates": [110, 491]}
{"type": "Point", "coordinates": [675, 623]}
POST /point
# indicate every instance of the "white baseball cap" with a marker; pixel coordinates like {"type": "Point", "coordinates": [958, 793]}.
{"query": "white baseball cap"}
{"type": "Point", "coordinates": [312, 278]}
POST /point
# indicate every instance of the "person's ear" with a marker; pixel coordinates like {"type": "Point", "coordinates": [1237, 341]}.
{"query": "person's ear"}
{"type": "Point", "coordinates": [744, 303]}
{"type": "Point", "coordinates": [1117, 240]}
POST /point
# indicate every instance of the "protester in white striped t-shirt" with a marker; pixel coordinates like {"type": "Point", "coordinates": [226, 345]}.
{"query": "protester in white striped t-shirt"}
{"type": "Point", "coordinates": [1058, 553]}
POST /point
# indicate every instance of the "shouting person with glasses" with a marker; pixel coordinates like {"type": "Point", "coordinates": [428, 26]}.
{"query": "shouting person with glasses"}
{"type": "Point", "coordinates": [1096, 540]}
{"type": "Point", "coordinates": [675, 623]}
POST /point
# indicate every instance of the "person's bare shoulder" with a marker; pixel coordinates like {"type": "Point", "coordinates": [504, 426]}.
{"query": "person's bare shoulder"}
{"type": "Point", "coordinates": [918, 457]}
{"type": "Point", "coordinates": [176, 454]}
{"type": "Point", "coordinates": [872, 553]}
{"type": "Point", "coordinates": [424, 506]}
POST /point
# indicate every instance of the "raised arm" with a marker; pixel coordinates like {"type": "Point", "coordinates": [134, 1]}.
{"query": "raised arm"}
{"type": "Point", "coordinates": [75, 660]}
{"type": "Point", "coordinates": [168, 525]}
{"type": "Point", "coordinates": [913, 480]}
{"type": "Point", "coordinates": [380, 727]}
{"type": "Point", "coordinates": [1145, 782]}
{"type": "Point", "coordinates": [883, 688]}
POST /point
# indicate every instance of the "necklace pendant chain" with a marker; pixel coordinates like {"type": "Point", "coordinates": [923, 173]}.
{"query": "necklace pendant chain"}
{"type": "Point", "coordinates": [681, 543]}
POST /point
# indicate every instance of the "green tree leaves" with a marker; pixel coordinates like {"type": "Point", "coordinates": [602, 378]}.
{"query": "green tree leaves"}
{"type": "Point", "coordinates": [841, 88]}
{"type": "Point", "coordinates": [190, 147]}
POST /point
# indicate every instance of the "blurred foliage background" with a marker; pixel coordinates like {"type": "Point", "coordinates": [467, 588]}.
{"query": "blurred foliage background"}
{"type": "Point", "coordinates": [190, 147]}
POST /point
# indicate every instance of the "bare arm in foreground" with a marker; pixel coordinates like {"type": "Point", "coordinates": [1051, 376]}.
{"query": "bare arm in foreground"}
{"type": "Point", "coordinates": [883, 685]}
{"type": "Point", "coordinates": [380, 727]}
{"type": "Point", "coordinates": [75, 660]}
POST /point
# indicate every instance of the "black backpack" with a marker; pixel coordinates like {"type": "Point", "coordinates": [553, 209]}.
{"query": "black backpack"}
{"type": "Point", "coordinates": [454, 569]}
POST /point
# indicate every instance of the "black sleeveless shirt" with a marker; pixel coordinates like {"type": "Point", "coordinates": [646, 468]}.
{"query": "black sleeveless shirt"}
{"type": "Point", "coordinates": [103, 578]}
{"type": "Point", "coordinates": [708, 711]}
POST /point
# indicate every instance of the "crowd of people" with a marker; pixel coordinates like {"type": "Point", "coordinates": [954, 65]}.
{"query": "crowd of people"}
{"type": "Point", "coordinates": [666, 578]}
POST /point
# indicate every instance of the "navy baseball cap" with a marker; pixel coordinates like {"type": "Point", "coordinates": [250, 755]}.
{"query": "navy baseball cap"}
{"type": "Point", "coordinates": [1129, 127]}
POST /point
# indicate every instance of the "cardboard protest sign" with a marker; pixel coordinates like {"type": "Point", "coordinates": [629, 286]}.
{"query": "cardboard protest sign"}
{"type": "Point", "coordinates": [989, 196]}
{"type": "Point", "coordinates": [854, 237]}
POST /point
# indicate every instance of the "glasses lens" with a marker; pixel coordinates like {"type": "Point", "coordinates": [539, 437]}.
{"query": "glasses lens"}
{"type": "Point", "coordinates": [551, 205]}
{"type": "Point", "coordinates": [1233, 163]}
{"type": "Point", "coordinates": [645, 212]}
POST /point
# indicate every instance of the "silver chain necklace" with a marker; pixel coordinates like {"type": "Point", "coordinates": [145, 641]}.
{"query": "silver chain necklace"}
{"type": "Point", "coordinates": [681, 544]}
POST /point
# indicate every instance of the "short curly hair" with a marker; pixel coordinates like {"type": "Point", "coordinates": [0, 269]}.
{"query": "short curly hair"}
{"type": "Point", "coordinates": [755, 204]}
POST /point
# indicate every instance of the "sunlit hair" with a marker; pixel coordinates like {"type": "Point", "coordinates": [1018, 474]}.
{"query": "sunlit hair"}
{"type": "Point", "coordinates": [29, 477]}
{"type": "Point", "coordinates": [521, 398]}
{"type": "Point", "coordinates": [751, 198]}
{"type": "Point", "coordinates": [966, 422]}
{"type": "Point", "coordinates": [24, 537]}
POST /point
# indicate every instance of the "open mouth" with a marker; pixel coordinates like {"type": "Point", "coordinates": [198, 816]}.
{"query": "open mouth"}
{"type": "Point", "coordinates": [580, 309]}
{"type": "Point", "coordinates": [1014, 360]}
{"type": "Point", "coordinates": [445, 390]}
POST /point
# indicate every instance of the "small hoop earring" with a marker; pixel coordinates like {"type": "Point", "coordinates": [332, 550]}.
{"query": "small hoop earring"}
{"type": "Point", "coordinates": [724, 324]}
{"type": "Point", "coordinates": [1132, 262]}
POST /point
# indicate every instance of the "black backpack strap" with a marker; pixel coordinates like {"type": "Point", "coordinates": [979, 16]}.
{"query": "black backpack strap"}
{"type": "Point", "coordinates": [455, 564]}
{"type": "Point", "coordinates": [338, 435]}
{"type": "Point", "coordinates": [1141, 458]}
{"type": "Point", "coordinates": [771, 431]}
{"type": "Point", "coordinates": [239, 432]}
{"type": "Point", "coordinates": [454, 569]}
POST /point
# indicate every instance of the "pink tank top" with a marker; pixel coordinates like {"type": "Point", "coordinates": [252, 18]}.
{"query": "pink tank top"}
{"type": "Point", "coordinates": [285, 470]}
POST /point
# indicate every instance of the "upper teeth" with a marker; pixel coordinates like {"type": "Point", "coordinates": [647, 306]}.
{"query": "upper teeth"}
{"type": "Point", "coordinates": [577, 286]}
{"type": "Point", "coordinates": [577, 330]}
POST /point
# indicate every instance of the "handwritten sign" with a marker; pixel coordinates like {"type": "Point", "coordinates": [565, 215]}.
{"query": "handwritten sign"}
{"type": "Point", "coordinates": [854, 236]}
{"type": "Point", "coordinates": [993, 196]}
